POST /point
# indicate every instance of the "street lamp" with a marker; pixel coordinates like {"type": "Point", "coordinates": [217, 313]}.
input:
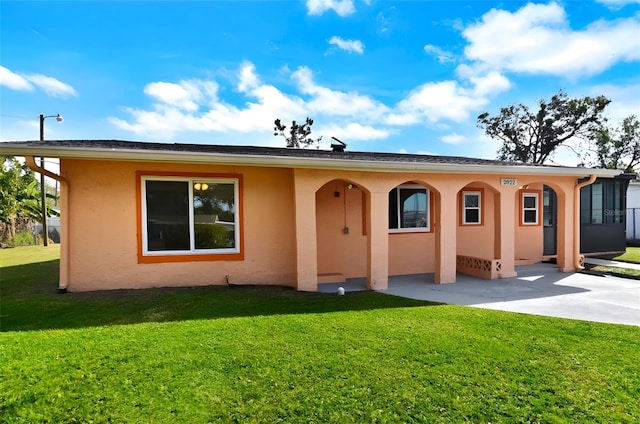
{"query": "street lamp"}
{"type": "Point", "coordinates": [43, 195]}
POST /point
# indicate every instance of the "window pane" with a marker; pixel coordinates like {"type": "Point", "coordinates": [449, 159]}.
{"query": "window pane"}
{"type": "Point", "coordinates": [214, 215]}
{"type": "Point", "coordinates": [596, 203]}
{"type": "Point", "coordinates": [471, 200]}
{"type": "Point", "coordinates": [619, 195]}
{"type": "Point", "coordinates": [529, 202]}
{"type": "Point", "coordinates": [414, 207]}
{"type": "Point", "coordinates": [596, 216]}
{"type": "Point", "coordinates": [547, 208]}
{"type": "Point", "coordinates": [472, 216]}
{"type": "Point", "coordinates": [530, 216]}
{"type": "Point", "coordinates": [585, 205]}
{"type": "Point", "coordinates": [609, 201]}
{"type": "Point", "coordinates": [167, 215]}
{"type": "Point", "coordinates": [393, 208]}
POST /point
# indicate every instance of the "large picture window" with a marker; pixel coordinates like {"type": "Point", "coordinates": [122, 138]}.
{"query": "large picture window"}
{"type": "Point", "coordinates": [189, 215]}
{"type": "Point", "coordinates": [409, 209]}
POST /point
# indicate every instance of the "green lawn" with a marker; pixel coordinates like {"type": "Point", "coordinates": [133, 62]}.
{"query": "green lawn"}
{"type": "Point", "coordinates": [631, 255]}
{"type": "Point", "coordinates": [274, 355]}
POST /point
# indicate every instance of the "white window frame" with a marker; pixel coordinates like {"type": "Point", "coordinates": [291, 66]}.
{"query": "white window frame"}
{"type": "Point", "coordinates": [536, 196]}
{"type": "Point", "coordinates": [192, 250]}
{"type": "Point", "coordinates": [465, 207]}
{"type": "Point", "coordinates": [428, 210]}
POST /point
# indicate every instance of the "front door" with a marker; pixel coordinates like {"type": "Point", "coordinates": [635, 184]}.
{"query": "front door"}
{"type": "Point", "coordinates": [549, 220]}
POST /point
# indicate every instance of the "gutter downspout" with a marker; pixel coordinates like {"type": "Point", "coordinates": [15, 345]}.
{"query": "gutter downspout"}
{"type": "Point", "coordinates": [64, 228]}
{"type": "Point", "coordinates": [576, 221]}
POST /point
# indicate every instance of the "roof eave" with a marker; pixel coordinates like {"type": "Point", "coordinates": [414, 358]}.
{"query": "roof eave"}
{"type": "Point", "coordinates": [297, 162]}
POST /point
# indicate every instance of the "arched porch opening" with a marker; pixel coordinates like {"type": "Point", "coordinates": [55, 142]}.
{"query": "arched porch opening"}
{"type": "Point", "coordinates": [413, 213]}
{"type": "Point", "coordinates": [478, 230]}
{"type": "Point", "coordinates": [341, 231]}
{"type": "Point", "coordinates": [545, 224]}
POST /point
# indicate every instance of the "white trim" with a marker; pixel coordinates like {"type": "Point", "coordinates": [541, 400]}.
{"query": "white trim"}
{"type": "Point", "coordinates": [537, 208]}
{"type": "Point", "coordinates": [464, 207]}
{"type": "Point", "coordinates": [425, 229]}
{"type": "Point", "coordinates": [168, 156]}
{"type": "Point", "coordinates": [192, 249]}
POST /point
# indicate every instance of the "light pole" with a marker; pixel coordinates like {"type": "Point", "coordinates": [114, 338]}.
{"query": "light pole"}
{"type": "Point", "coordinates": [43, 193]}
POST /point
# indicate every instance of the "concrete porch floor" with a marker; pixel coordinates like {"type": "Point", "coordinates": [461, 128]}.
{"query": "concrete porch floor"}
{"type": "Point", "coordinates": [538, 289]}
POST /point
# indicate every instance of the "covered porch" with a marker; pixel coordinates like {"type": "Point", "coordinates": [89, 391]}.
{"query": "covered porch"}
{"type": "Point", "coordinates": [481, 225]}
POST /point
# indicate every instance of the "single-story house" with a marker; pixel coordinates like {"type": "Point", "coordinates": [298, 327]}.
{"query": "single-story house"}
{"type": "Point", "coordinates": [138, 215]}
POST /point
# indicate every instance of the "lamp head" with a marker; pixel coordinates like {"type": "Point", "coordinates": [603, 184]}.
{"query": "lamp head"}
{"type": "Point", "coordinates": [59, 118]}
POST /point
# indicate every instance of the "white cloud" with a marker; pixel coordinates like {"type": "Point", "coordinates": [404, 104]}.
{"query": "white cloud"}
{"type": "Point", "coordinates": [625, 100]}
{"type": "Point", "coordinates": [350, 46]}
{"type": "Point", "coordinates": [341, 7]}
{"type": "Point", "coordinates": [453, 138]}
{"type": "Point", "coordinates": [248, 78]}
{"type": "Point", "coordinates": [442, 55]}
{"type": "Point", "coordinates": [26, 82]}
{"type": "Point", "coordinates": [542, 42]}
{"type": "Point", "coordinates": [442, 100]}
{"type": "Point", "coordinates": [14, 81]}
{"type": "Point", "coordinates": [52, 86]}
{"type": "Point", "coordinates": [354, 131]}
{"type": "Point", "coordinates": [337, 103]}
{"type": "Point", "coordinates": [490, 83]}
{"type": "Point", "coordinates": [383, 23]}
{"type": "Point", "coordinates": [194, 106]}
{"type": "Point", "coordinates": [178, 95]}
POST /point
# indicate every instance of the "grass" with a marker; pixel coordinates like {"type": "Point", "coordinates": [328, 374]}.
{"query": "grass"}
{"type": "Point", "coordinates": [274, 355]}
{"type": "Point", "coordinates": [632, 255]}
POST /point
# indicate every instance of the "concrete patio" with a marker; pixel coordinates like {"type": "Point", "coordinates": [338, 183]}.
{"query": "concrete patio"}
{"type": "Point", "coordinates": [538, 289]}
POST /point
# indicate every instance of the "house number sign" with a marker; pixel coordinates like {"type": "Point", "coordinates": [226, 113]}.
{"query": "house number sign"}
{"type": "Point", "coordinates": [508, 181]}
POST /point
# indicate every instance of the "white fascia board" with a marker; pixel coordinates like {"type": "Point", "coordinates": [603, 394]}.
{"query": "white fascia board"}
{"type": "Point", "coordinates": [167, 156]}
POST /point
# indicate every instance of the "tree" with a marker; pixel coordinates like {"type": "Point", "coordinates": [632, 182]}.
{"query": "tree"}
{"type": "Point", "coordinates": [299, 135]}
{"type": "Point", "coordinates": [533, 137]}
{"type": "Point", "coordinates": [19, 197]}
{"type": "Point", "coordinates": [618, 147]}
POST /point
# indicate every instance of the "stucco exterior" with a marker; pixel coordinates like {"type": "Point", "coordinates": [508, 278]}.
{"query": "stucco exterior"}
{"type": "Point", "coordinates": [104, 238]}
{"type": "Point", "coordinates": [302, 223]}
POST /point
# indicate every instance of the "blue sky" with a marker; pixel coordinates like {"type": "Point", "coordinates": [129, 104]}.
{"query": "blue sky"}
{"type": "Point", "coordinates": [405, 76]}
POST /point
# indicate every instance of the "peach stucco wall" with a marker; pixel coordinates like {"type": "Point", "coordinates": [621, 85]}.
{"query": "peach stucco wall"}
{"type": "Point", "coordinates": [103, 242]}
{"type": "Point", "coordinates": [477, 240]}
{"type": "Point", "coordinates": [293, 227]}
{"type": "Point", "coordinates": [529, 238]}
{"type": "Point", "coordinates": [340, 253]}
{"type": "Point", "coordinates": [412, 253]}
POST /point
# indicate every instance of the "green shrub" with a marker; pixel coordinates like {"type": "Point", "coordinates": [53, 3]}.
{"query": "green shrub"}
{"type": "Point", "coordinates": [213, 236]}
{"type": "Point", "coordinates": [23, 238]}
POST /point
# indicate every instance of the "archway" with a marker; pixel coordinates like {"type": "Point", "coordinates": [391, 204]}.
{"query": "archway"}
{"type": "Point", "coordinates": [341, 231]}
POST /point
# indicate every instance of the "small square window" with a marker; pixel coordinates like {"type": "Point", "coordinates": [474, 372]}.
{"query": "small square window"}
{"type": "Point", "coordinates": [471, 207]}
{"type": "Point", "coordinates": [530, 208]}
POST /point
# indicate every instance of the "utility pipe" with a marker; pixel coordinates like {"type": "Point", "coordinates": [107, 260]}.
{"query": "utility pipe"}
{"type": "Point", "coordinates": [64, 228]}
{"type": "Point", "coordinates": [576, 220]}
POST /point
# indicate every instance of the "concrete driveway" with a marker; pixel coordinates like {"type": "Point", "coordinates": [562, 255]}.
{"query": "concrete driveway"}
{"type": "Point", "coordinates": [538, 289]}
